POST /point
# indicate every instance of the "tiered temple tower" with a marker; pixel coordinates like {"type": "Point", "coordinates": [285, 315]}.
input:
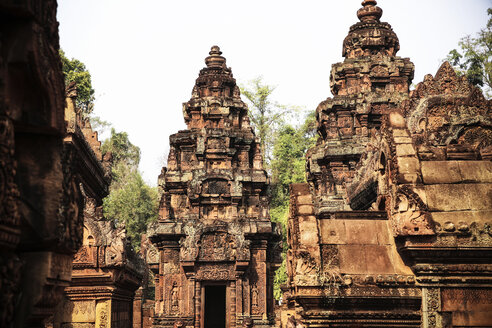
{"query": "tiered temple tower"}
{"type": "Point", "coordinates": [343, 266]}
{"type": "Point", "coordinates": [218, 248]}
{"type": "Point", "coordinates": [369, 83]}
{"type": "Point", "coordinates": [393, 227]}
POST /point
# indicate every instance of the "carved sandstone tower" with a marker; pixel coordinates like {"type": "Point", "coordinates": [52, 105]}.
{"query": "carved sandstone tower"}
{"type": "Point", "coordinates": [218, 249]}
{"type": "Point", "coordinates": [343, 266]}
{"type": "Point", "coordinates": [393, 229]}
{"type": "Point", "coordinates": [370, 82]}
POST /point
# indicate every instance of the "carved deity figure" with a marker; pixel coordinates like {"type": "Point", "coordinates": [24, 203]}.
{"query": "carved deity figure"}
{"type": "Point", "coordinates": [254, 298]}
{"type": "Point", "coordinates": [174, 298]}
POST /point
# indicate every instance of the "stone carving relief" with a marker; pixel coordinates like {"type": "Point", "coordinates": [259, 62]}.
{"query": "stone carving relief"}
{"type": "Point", "coordinates": [254, 299]}
{"type": "Point", "coordinates": [215, 273]}
{"type": "Point", "coordinates": [103, 316]}
{"type": "Point", "coordinates": [411, 216]}
{"type": "Point", "coordinates": [432, 307]}
{"type": "Point", "coordinates": [70, 217]}
{"type": "Point", "coordinates": [82, 256]}
{"type": "Point", "coordinates": [174, 297]}
{"type": "Point", "coordinates": [447, 111]}
{"type": "Point", "coordinates": [8, 189]}
{"type": "Point", "coordinates": [306, 269]}
{"type": "Point", "coordinates": [217, 247]}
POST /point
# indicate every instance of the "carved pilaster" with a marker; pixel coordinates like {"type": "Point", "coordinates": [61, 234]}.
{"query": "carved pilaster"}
{"type": "Point", "coordinates": [232, 294]}
{"type": "Point", "coordinates": [431, 305]}
{"type": "Point", "coordinates": [198, 303]}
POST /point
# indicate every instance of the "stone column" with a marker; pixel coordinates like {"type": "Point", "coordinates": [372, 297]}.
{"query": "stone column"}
{"type": "Point", "coordinates": [191, 295]}
{"type": "Point", "coordinates": [239, 296]}
{"type": "Point", "coordinates": [137, 309]}
{"type": "Point", "coordinates": [198, 303]}
{"type": "Point", "coordinates": [431, 305]}
{"type": "Point", "coordinates": [103, 314]}
{"type": "Point", "coordinates": [232, 294]}
{"type": "Point", "coordinates": [157, 294]}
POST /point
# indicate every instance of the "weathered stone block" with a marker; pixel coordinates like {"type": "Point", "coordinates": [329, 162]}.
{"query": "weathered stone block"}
{"type": "Point", "coordinates": [383, 232]}
{"type": "Point", "coordinates": [305, 210]}
{"type": "Point", "coordinates": [436, 172]}
{"type": "Point", "coordinates": [479, 196]}
{"type": "Point", "coordinates": [365, 259]}
{"type": "Point", "coordinates": [476, 171]}
{"type": "Point", "coordinates": [470, 307]}
{"type": "Point", "coordinates": [347, 255]}
{"type": "Point", "coordinates": [468, 217]}
{"type": "Point", "coordinates": [448, 197]}
{"type": "Point", "coordinates": [405, 150]}
{"type": "Point", "coordinates": [408, 165]}
{"type": "Point", "coordinates": [408, 178]}
{"type": "Point", "coordinates": [305, 200]}
{"type": "Point", "coordinates": [378, 259]}
{"type": "Point", "coordinates": [332, 231]}
{"type": "Point", "coordinates": [396, 120]}
{"type": "Point", "coordinates": [361, 232]}
{"type": "Point", "coordinates": [402, 140]}
{"type": "Point", "coordinates": [400, 133]}
{"type": "Point", "coordinates": [308, 227]}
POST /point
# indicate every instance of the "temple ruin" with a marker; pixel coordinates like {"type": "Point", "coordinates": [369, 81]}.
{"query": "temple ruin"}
{"type": "Point", "coordinates": [105, 270]}
{"type": "Point", "coordinates": [41, 213]}
{"type": "Point", "coordinates": [218, 248]}
{"type": "Point", "coordinates": [393, 227]}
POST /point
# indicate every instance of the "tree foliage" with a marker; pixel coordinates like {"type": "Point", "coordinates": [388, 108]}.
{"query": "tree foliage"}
{"type": "Point", "coordinates": [123, 151]}
{"type": "Point", "coordinates": [288, 166]}
{"type": "Point", "coordinates": [284, 147]}
{"type": "Point", "coordinates": [131, 202]}
{"type": "Point", "coordinates": [474, 58]}
{"type": "Point", "coordinates": [265, 114]}
{"type": "Point", "coordinates": [75, 71]}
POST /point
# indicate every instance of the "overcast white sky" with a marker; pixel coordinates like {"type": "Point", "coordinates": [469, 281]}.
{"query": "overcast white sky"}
{"type": "Point", "coordinates": [144, 56]}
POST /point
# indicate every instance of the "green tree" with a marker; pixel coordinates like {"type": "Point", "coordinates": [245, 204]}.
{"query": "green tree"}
{"type": "Point", "coordinates": [130, 202]}
{"type": "Point", "coordinates": [265, 114]}
{"type": "Point", "coordinates": [288, 166]}
{"type": "Point", "coordinates": [133, 204]}
{"type": "Point", "coordinates": [123, 151]}
{"type": "Point", "coordinates": [474, 58]}
{"type": "Point", "coordinates": [75, 71]}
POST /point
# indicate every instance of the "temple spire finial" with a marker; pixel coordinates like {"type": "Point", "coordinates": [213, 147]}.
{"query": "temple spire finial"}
{"type": "Point", "coordinates": [215, 59]}
{"type": "Point", "coordinates": [369, 11]}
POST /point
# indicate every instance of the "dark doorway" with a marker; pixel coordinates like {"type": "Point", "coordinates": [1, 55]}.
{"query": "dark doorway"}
{"type": "Point", "coordinates": [215, 306]}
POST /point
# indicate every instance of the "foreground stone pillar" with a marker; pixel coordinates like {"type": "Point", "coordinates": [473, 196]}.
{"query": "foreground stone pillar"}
{"type": "Point", "coordinates": [41, 202]}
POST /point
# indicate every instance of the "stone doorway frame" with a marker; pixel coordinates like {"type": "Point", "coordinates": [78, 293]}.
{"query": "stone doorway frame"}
{"type": "Point", "coordinates": [228, 314]}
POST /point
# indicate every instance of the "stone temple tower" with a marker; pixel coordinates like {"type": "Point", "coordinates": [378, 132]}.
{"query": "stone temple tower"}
{"type": "Point", "coordinates": [369, 83]}
{"type": "Point", "coordinates": [218, 248]}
